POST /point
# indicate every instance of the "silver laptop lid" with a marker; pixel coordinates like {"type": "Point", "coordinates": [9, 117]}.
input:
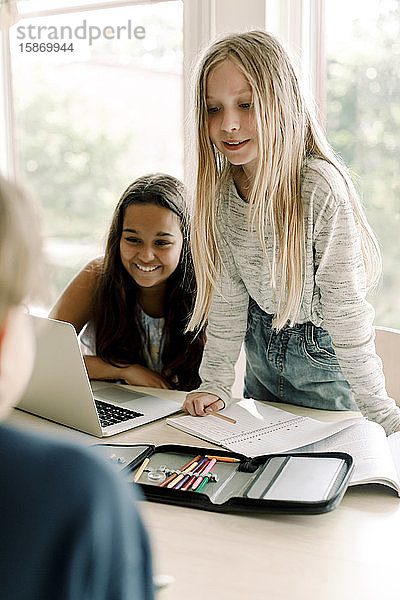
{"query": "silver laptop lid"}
{"type": "Point", "coordinates": [59, 388]}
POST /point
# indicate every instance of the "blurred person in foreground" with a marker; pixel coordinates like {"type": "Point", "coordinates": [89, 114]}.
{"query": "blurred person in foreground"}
{"type": "Point", "coordinates": [69, 525]}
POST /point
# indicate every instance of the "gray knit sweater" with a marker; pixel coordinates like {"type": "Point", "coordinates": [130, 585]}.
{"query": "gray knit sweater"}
{"type": "Point", "coordinates": [334, 291]}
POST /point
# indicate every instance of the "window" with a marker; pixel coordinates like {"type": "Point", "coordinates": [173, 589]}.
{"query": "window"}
{"type": "Point", "coordinates": [90, 121]}
{"type": "Point", "coordinates": [98, 102]}
{"type": "Point", "coordinates": [363, 122]}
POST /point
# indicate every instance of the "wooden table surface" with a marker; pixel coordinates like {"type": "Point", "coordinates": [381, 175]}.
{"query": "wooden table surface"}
{"type": "Point", "coordinates": [351, 552]}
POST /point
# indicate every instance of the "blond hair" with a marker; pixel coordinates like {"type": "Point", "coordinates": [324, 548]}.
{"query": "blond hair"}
{"type": "Point", "coordinates": [287, 133]}
{"type": "Point", "coordinates": [21, 266]}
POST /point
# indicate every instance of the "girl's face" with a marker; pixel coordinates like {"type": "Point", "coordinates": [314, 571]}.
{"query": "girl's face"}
{"type": "Point", "coordinates": [231, 123]}
{"type": "Point", "coordinates": [150, 244]}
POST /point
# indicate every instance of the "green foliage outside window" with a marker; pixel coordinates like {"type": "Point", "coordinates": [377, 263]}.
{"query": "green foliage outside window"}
{"type": "Point", "coordinates": [363, 117]}
{"type": "Point", "coordinates": [90, 122]}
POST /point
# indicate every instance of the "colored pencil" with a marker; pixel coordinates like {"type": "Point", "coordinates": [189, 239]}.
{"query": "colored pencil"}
{"type": "Point", "coordinates": [224, 417]}
{"type": "Point", "coordinates": [224, 458]}
{"type": "Point", "coordinates": [180, 483]}
{"type": "Point", "coordinates": [180, 476]}
{"type": "Point", "coordinates": [202, 484]}
{"type": "Point", "coordinates": [213, 414]}
{"type": "Point", "coordinates": [141, 469]}
{"type": "Point", "coordinates": [200, 467]}
{"type": "Point", "coordinates": [171, 477]}
{"type": "Point", "coordinates": [203, 473]}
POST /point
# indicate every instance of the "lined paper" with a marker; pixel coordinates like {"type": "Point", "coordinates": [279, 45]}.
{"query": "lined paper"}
{"type": "Point", "coordinates": [259, 428]}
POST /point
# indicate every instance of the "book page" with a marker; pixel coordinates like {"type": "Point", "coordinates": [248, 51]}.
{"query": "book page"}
{"type": "Point", "coordinates": [366, 442]}
{"type": "Point", "coordinates": [394, 445]}
{"type": "Point", "coordinates": [259, 428]}
{"type": "Point", "coordinates": [284, 435]}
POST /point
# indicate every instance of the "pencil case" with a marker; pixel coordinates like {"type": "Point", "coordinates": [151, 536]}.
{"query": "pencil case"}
{"type": "Point", "coordinates": [219, 480]}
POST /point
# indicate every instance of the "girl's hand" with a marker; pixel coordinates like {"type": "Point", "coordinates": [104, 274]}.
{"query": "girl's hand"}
{"type": "Point", "coordinates": [199, 404]}
{"type": "Point", "coordinates": [138, 375]}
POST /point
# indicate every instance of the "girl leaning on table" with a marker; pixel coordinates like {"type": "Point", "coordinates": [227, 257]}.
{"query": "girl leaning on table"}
{"type": "Point", "coordinates": [282, 249]}
{"type": "Point", "coordinates": [136, 300]}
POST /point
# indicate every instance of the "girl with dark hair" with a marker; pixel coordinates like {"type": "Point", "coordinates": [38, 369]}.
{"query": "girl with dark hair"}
{"type": "Point", "coordinates": [136, 300]}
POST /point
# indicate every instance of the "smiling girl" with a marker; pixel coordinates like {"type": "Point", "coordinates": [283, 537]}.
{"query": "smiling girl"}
{"type": "Point", "coordinates": [136, 300]}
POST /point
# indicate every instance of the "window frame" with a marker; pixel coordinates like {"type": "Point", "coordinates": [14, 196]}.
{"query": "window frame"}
{"type": "Point", "coordinates": [7, 118]}
{"type": "Point", "coordinates": [300, 26]}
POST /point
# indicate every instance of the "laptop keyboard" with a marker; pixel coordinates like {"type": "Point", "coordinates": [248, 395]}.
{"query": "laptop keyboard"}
{"type": "Point", "coordinates": [109, 414]}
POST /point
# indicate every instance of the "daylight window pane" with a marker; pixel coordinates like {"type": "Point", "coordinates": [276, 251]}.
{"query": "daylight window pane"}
{"type": "Point", "coordinates": [98, 103]}
{"type": "Point", "coordinates": [30, 6]}
{"type": "Point", "coordinates": [363, 121]}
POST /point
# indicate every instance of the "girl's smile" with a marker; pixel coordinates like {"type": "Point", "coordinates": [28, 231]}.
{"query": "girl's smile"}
{"type": "Point", "coordinates": [231, 124]}
{"type": "Point", "coordinates": [234, 145]}
{"type": "Point", "coordinates": [150, 244]}
{"type": "Point", "coordinates": [147, 269]}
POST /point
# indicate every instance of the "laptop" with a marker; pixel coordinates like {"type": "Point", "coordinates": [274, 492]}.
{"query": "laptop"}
{"type": "Point", "coordinates": [60, 390]}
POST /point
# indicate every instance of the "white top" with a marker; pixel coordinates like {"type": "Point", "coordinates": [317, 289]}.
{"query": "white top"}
{"type": "Point", "coordinates": [153, 341]}
{"type": "Point", "coordinates": [334, 291]}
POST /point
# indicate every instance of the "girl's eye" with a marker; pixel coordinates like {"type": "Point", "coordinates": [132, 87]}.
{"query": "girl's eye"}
{"type": "Point", "coordinates": [132, 240]}
{"type": "Point", "coordinates": [162, 243]}
{"type": "Point", "coordinates": [212, 110]}
{"type": "Point", "coordinates": [246, 105]}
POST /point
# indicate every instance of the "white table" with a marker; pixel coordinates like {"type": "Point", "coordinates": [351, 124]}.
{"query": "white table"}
{"type": "Point", "coordinates": [352, 552]}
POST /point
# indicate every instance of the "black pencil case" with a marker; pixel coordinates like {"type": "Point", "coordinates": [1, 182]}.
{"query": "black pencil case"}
{"type": "Point", "coordinates": [303, 483]}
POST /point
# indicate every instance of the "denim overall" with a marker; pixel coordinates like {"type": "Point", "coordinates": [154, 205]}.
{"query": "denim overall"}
{"type": "Point", "coordinates": [296, 365]}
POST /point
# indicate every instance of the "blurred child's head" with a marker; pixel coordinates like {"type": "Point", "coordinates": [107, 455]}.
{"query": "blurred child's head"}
{"type": "Point", "coordinates": [20, 272]}
{"type": "Point", "coordinates": [148, 236]}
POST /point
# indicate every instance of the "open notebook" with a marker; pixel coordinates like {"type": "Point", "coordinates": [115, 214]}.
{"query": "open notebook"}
{"type": "Point", "coordinates": [264, 429]}
{"type": "Point", "coordinates": [258, 428]}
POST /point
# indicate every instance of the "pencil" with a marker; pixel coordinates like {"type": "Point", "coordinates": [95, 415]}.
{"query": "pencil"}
{"type": "Point", "coordinates": [181, 476]}
{"type": "Point", "coordinates": [216, 414]}
{"type": "Point", "coordinates": [204, 472]}
{"type": "Point", "coordinates": [200, 467]}
{"type": "Point", "coordinates": [224, 458]}
{"type": "Point", "coordinates": [203, 484]}
{"type": "Point", "coordinates": [141, 469]}
{"type": "Point", "coordinates": [171, 477]}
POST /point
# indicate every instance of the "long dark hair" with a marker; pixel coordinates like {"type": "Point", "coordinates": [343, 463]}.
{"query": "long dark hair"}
{"type": "Point", "coordinates": [117, 327]}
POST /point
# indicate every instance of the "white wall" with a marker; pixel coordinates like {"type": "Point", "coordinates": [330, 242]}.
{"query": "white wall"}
{"type": "Point", "coordinates": [239, 15]}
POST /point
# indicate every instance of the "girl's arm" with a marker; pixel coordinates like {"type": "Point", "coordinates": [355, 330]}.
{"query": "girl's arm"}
{"type": "Point", "coordinates": [130, 374]}
{"type": "Point", "coordinates": [226, 328]}
{"type": "Point", "coordinates": [345, 312]}
{"type": "Point", "coordinates": [75, 305]}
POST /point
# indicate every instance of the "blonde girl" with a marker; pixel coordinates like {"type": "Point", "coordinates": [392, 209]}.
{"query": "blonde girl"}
{"type": "Point", "coordinates": [282, 250]}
